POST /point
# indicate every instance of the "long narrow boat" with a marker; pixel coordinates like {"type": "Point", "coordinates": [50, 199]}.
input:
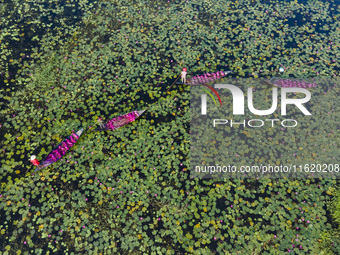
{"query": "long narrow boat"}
{"type": "Point", "coordinates": [60, 150]}
{"type": "Point", "coordinates": [205, 78]}
{"type": "Point", "coordinates": [289, 83]}
{"type": "Point", "coordinates": [120, 121]}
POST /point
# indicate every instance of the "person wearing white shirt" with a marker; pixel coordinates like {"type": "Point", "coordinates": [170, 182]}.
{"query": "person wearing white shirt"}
{"type": "Point", "coordinates": [184, 75]}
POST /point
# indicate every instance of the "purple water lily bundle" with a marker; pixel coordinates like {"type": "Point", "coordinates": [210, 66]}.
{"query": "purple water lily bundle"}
{"type": "Point", "coordinates": [206, 78]}
{"type": "Point", "coordinates": [60, 150]}
{"type": "Point", "coordinates": [120, 121]}
{"type": "Point", "coordinates": [290, 83]}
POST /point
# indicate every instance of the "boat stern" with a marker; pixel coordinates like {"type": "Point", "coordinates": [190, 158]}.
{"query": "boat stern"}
{"type": "Point", "coordinates": [79, 132]}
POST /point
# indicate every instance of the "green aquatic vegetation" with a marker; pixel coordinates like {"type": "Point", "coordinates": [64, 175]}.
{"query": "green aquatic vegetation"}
{"type": "Point", "coordinates": [131, 191]}
{"type": "Point", "coordinates": [329, 241]}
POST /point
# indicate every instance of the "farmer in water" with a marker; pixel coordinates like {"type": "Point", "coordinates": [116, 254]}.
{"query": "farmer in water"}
{"type": "Point", "coordinates": [184, 75]}
{"type": "Point", "coordinates": [34, 161]}
{"type": "Point", "coordinates": [100, 122]}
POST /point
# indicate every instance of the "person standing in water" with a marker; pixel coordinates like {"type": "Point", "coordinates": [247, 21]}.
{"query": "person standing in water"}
{"type": "Point", "coordinates": [100, 122]}
{"type": "Point", "coordinates": [184, 75]}
{"type": "Point", "coordinates": [34, 161]}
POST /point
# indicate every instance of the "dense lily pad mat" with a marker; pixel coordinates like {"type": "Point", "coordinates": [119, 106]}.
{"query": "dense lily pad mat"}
{"type": "Point", "coordinates": [315, 138]}
{"type": "Point", "coordinates": [129, 191]}
{"type": "Point", "coordinates": [331, 238]}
